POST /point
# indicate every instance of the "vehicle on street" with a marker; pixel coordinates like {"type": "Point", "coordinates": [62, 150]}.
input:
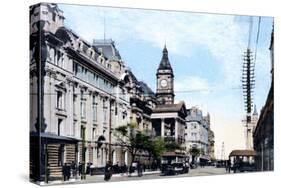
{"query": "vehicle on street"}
{"type": "Point", "coordinates": [175, 168]}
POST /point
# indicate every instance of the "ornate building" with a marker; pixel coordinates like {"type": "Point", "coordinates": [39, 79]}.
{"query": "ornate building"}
{"type": "Point", "coordinates": [168, 118]}
{"type": "Point", "coordinates": [79, 93]}
{"type": "Point", "coordinates": [165, 80]}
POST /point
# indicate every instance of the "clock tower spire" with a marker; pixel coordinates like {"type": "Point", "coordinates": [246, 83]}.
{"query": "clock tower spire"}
{"type": "Point", "coordinates": [165, 80]}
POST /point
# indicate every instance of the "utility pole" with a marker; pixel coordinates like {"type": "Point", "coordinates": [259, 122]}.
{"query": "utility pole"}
{"type": "Point", "coordinates": [248, 82]}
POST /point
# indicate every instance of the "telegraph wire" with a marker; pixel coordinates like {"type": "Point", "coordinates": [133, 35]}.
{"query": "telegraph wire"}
{"type": "Point", "coordinates": [257, 39]}
{"type": "Point", "coordinates": [152, 93]}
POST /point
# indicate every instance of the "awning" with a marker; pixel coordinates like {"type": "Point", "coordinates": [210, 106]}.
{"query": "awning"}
{"type": "Point", "coordinates": [242, 153]}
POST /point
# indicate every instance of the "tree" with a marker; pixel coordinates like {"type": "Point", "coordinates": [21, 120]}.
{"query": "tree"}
{"type": "Point", "coordinates": [172, 145]}
{"type": "Point", "coordinates": [157, 148]}
{"type": "Point", "coordinates": [194, 151]}
{"type": "Point", "coordinates": [134, 140]}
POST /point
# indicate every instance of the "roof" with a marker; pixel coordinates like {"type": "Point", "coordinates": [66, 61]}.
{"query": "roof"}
{"type": "Point", "coordinates": [165, 63]}
{"type": "Point", "coordinates": [170, 108]}
{"type": "Point", "coordinates": [107, 47]}
{"type": "Point", "coordinates": [146, 89]}
{"type": "Point", "coordinates": [242, 153]}
{"type": "Point", "coordinates": [133, 77]}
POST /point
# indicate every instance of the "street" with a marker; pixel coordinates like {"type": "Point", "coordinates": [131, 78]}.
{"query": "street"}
{"type": "Point", "coordinates": [208, 170]}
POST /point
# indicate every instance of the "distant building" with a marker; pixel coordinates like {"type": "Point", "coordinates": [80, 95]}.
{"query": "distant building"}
{"type": "Point", "coordinates": [249, 130]}
{"type": "Point", "coordinates": [197, 133]}
{"type": "Point", "coordinates": [264, 131]}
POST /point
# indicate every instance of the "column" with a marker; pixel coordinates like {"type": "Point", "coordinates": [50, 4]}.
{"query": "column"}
{"type": "Point", "coordinates": [162, 128]}
{"type": "Point", "coordinates": [176, 130]}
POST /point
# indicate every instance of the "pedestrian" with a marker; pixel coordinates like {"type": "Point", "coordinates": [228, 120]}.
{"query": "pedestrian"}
{"type": "Point", "coordinates": [48, 173]}
{"type": "Point", "coordinates": [107, 171]}
{"type": "Point", "coordinates": [68, 173]}
{"type": "Point", "coordinates": [229, 165]}
{"type": "Point", "coordinates": [73, 169]}
{"type": "Point", "coordinates": [117, 168]}
{"type": "Point", "coordinates": [139, 169]}
{"type": "Point", "coordinates": [79, 168]}
{"type": "Point", "coordinates": [92, 167]}
{"type": "Point", "coordinates": [64, 172]}
{"type": "Point", "coordinates": [125, 169]}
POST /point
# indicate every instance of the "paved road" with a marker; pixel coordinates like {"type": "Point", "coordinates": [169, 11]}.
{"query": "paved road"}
{"type": "Point", "coordinates": [193, 172]}
{"type": "Point", "coordinates": [153, 175]}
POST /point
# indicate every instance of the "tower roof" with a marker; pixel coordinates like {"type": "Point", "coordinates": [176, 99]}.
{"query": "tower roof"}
{"type": "Point", "coordinates": [165, 63]}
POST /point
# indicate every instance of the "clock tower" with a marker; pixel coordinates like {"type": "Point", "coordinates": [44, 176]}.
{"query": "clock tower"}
{"type": "Point", "coordinates": [165, 80]}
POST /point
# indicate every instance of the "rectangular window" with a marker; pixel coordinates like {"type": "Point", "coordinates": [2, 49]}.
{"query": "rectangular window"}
{"type": "Point", "coordinates": [83, 109]}
{"type": "Point", "coordinates": [59, 126]}
{"type": "Point", "coordinates": [95, 111]}
{"type": "Point", "coordinates": [82, 132]}
{"type": "Point", "coordinates": [74, 128]}
{"type": "Point", "coordinates": [93, 133]}
{"type": "Point", "coordinates": [104, 112]}
{"type": "Point", "coordinates": [74, 104]}
{"type": "Point", "coordinates": [82, 106]}
{"type": "Point", "coordinates": [60, 100]}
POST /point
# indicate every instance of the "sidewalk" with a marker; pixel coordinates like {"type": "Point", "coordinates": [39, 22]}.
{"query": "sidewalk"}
{"type": "Point", "coordinates": [129, 175]}
{"type": "Point", "coordinates": [98, 178]}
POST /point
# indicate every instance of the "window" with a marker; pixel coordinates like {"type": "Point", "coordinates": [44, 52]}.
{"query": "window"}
{"type": "Point", "coordinates": [74, 104]}
{"type": "Point", "coordinates": [83, 106]}
{"type": "Point", "coordinates": [82, 132]}
{"type": "Point", "coordinates": [59, 58]}
{"type": "Point", "coordinates": [95, 112]}
{"type": "Point", "coordinates": [74, 128]}
{"type": "Point", "coordinates": [93, 133]}
{"type": "Point", "coordinates": [104, 111]}
{"type": "Point", "coordinates": [83, 109]}
{"type": "Point", "coordinates": [60, 100]}
{"type": "Point", "coordinates": [59, 126]}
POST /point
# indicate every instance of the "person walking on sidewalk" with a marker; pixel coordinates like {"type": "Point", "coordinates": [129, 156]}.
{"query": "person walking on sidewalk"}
{"type": "Point", "coordinates": [139, 169]}
{"type": "Point", "coordinates": [107, 171]}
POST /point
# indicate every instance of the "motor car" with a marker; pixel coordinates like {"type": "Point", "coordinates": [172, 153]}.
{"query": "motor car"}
{"type": "Point", "coordinates": [243, 167]}
{"type": "Point", "coordinates": [175, 168]}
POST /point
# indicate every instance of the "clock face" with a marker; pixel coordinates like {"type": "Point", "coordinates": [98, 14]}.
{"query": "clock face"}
{"type": "Point", "coordinates": [164, 83]}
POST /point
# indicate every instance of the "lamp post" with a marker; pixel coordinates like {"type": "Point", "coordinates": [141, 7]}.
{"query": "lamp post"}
{"type": "Point", "coordinates": [83, 176]}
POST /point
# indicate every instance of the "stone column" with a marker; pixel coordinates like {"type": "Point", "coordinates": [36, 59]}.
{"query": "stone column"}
{"type": "Point", "coordinates": [162, 128]}
{"type": "Point", "coordinates": [176, 130]}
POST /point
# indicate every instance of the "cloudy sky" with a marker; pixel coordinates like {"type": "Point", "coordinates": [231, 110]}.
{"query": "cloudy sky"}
{"type": "Point", "coordinates": [205, 51]}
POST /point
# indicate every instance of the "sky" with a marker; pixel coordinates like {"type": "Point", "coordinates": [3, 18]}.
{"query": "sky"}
{"type": "Point", "coordinates": [205, 51]}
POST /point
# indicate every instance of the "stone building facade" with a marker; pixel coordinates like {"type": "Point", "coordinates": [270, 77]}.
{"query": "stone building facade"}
{"type": "Point", "coordinates": [264, 132]}
{"type": "Point", "coordinates": [80, 92]}
{"type": "Point", "coordinates": [88, 92]}
{"type": "Point", "coordinates": [197, 133]}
